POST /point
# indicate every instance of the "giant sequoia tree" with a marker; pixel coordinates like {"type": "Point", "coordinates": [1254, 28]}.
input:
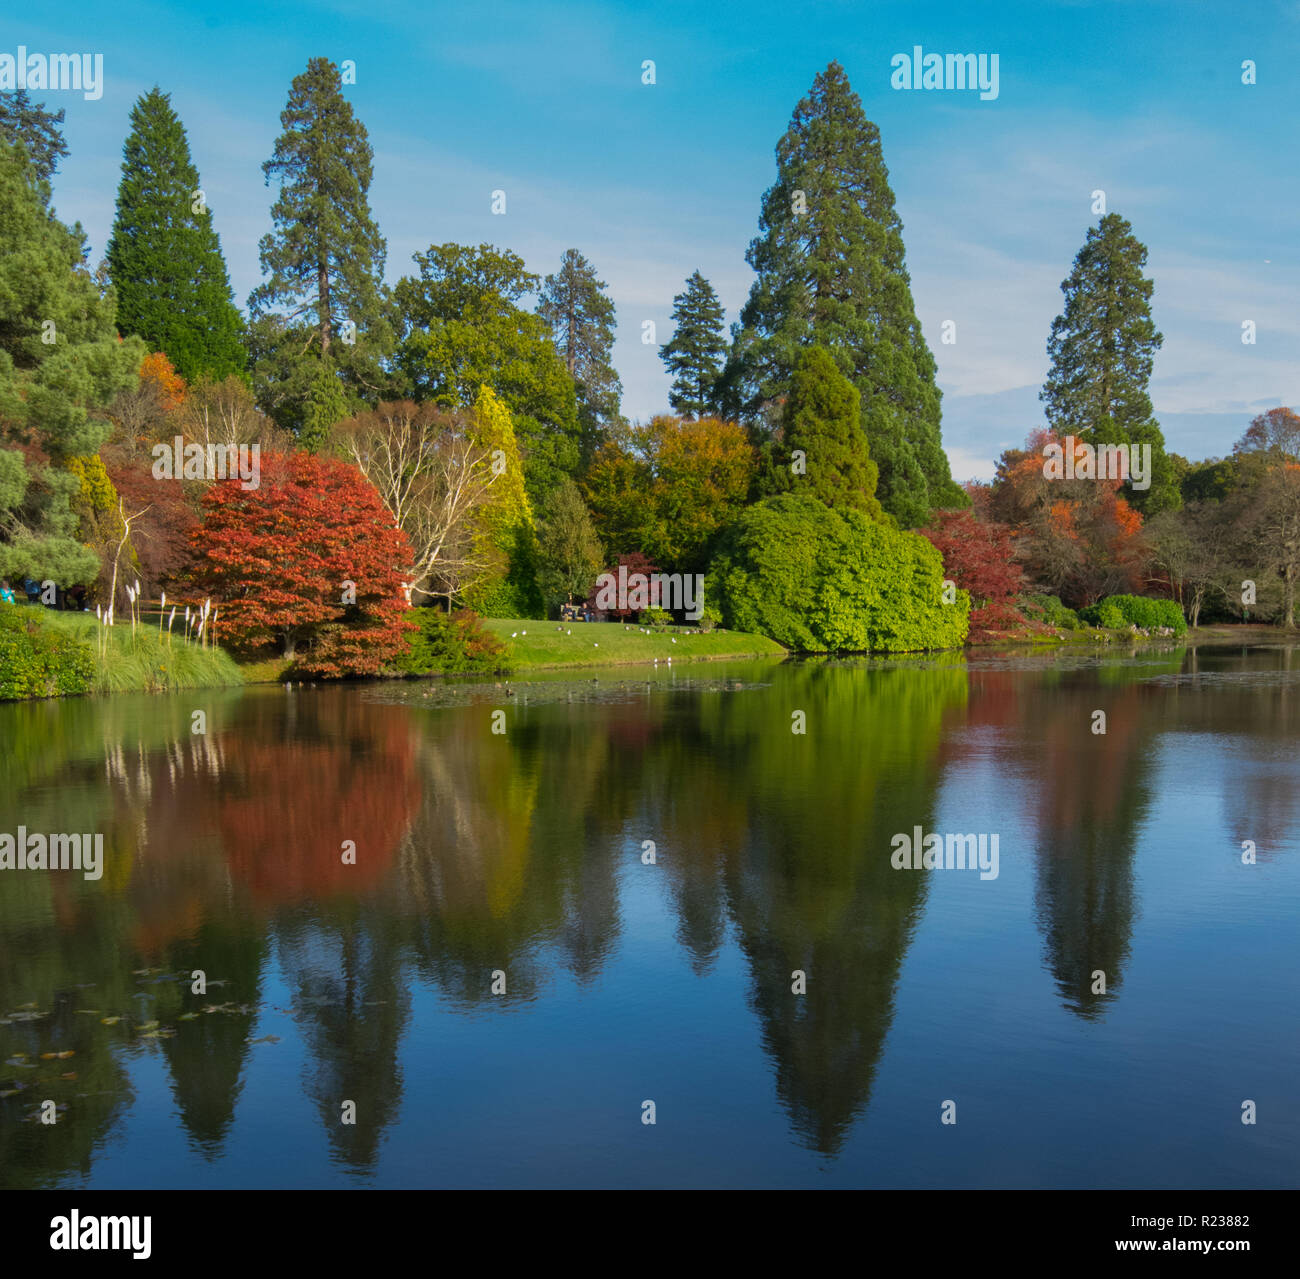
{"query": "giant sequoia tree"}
{"type": "Point", "coordinates": [164, 257]}
{"type": "Point", "coordinates": [321, 306]}
{"type": "Point", "coordinates": [829, 258]}
{"type": "Point", "coordinates": [1102, 348]}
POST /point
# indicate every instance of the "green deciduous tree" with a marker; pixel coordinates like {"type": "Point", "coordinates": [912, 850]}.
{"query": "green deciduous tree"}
{"type": "Point", "coordinates": [665, 489]}
{"type": "Point", "coordinates": [831, 271]}
{"type": "Point", "coordinates": [164, 256]}
{"type": "Point", "coordinates": [694, 353]}
{"type": "Point", "coordinates": [1102, 347]}
{"type": "Point", "coordinates": [463, 329]}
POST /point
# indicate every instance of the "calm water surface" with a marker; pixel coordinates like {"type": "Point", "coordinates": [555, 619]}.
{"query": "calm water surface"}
{"type": "Point", "coordinates": [522, 853]}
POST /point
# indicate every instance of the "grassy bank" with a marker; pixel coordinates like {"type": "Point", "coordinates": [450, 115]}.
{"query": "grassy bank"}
{"type": "Point", "coordinates": [555, 644]}
{"type": "Point", "coordinates": [134, 663]}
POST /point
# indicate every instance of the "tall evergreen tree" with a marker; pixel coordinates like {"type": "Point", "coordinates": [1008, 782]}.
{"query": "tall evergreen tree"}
{"type": "Point", "coordinates": [695, 352]}
{"type": "Point", "coordinates": [568, 548]}
{"type": "Point", "coordinates": [823, 451]}
{"type": "Point", "coordinates": [830, 264]}
{"type": "Point", "coordinates": [323, 297]}
{"type": "Point", "coordinates": [164, 255]}
{"type": "Point", "coordinates": [581, 315]}
{"type": "Point", "coordinates": [26, 124]}
{"type": "Point", "coordinates": [325, 405]}
{"type": "Point", "coordinates": [1102, 348]}
{"type": "Point", "coordinates": [61, 365]}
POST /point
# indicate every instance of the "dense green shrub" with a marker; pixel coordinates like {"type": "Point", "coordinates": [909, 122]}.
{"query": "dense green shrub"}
{"type": "Point", "coordinates": [40, 662]}
{"type": "Point", "coordinates": [656, 617]}
{"type": "Point", "coordinates": [1049, 610]}
{"type": "Point", "coordinates": [818, 580]}
{"type": "Point", "coordinates": [1105, 613]}
{"type": "Point", "coordinates": [451, 644]}
{"type": "Point", "coordinates": [1118, 612]}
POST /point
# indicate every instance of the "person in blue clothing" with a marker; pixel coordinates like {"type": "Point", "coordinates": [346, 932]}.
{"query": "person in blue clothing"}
{"type": "Point", "coordinates": [6, 592]}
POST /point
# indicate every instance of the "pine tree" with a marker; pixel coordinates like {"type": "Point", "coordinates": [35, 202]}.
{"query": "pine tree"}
{"type": "Point", "coordinates": [1102, 348]}
{"type": "Point", "coordinates": [824, 451]}
{"type": "Point", "coordinates": [26, 124]}
{"type": "Point", "coordinates": [324, 259]}
{"type": "Point", "coordinates": [831, 271]}
{"type": "Point", "coordinates": [581, 316]}
{"type": "Point", "coordinates": [695, 352]}
{"type": "Point", "coordinates": [164, 255]}
{"type": "Point", "coordinates": [61, 364]}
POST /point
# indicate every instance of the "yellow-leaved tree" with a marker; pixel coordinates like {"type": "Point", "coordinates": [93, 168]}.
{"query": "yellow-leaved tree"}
{"type": "Point", "coordinates": [506, 536]}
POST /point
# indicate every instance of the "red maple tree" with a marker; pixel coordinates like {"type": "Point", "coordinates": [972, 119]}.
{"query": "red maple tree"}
{"type": "Point", "coordinates": [279, 559]}
{"type": "Point", "coordinates": [980, 556]}
{"type": "Point", "coordinates": [633, 562]}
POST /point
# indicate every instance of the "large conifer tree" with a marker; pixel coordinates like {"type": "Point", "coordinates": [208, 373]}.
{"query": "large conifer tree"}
{"type": "Point", "coordinates": [164, 256]}
{"type": "Point", "coordinates": [1102, 348]}
{"type": "Point", "coordinates": [61, 364]}
{"type": "Point", "coordinates": [38, 132]}
{"type": "Point", "coordinates": [695, 352]}
{"type": "Point", "coordinates": [581, 315]}
{"type": "Point", "coordinates": [323, 260]}
{"type": "Point", "coordinates": [830, 264]}
{"type": "Point", "coordinates": [821, 428]}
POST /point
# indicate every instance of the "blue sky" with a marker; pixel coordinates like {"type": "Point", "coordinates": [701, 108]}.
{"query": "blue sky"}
{"type": "Point", "coordinates": [546, 102]}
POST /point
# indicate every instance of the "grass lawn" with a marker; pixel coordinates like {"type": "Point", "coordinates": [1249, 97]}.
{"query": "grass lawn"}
{"type": "Point", "coordinates": [559, 644]}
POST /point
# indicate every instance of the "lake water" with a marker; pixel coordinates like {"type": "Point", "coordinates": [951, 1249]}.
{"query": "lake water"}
{"type": "Point", "coordinates": [523, 854]}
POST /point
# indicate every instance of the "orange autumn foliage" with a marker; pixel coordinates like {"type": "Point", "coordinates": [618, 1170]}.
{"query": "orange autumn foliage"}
{"type": "Point", "coordinates": [156, 370]}
{"type": "Point", "coordinates": [1078, 538]}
